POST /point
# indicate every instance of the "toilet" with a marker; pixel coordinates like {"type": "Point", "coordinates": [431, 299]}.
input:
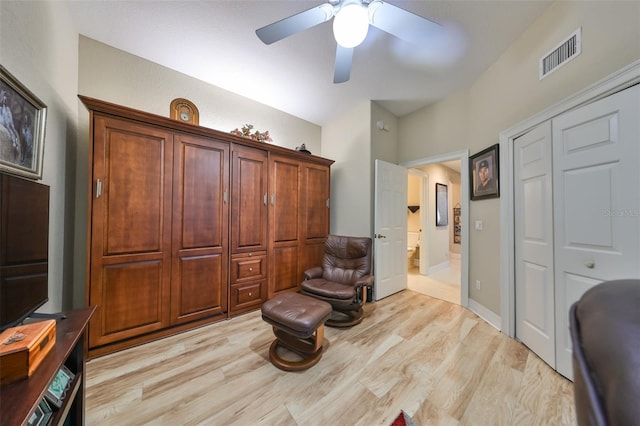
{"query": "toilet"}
{"type": "Point", "coordinates": [413, 240]}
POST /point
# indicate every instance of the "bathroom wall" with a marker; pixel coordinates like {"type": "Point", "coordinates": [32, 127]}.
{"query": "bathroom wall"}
{"type": "Point", "coordinates": [413, 199]}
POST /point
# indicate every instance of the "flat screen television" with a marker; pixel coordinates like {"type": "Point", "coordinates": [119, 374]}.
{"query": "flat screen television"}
{"type": "Point", "coordinates": [24, 248]}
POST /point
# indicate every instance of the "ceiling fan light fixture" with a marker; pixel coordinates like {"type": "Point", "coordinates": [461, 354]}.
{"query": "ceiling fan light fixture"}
{"type": "Point", "coordinates": [350, 25]}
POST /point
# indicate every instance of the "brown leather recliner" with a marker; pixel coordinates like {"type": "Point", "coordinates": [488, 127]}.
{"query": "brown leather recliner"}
{"type": "Point", "coordinates": [343, 278]}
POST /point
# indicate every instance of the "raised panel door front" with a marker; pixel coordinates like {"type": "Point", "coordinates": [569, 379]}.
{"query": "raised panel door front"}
{"type": "Point", "coordinates": [535, 315]}
{"type": "Point", "coordinates": [285, 199]}
{"type": "Point", "coordinates": [131, 230]}
{"type": "Point", "coordinates": [285, 269]}
{"type": "Point", "coordinates": [286, 236]}
{"type": "Point", "coordinates": [200, 228]}
{"type": "Point", "coordinates": [596, 209]}
{"type": "Point", "coordinates": [249, 200]}
{"type": "Point", "coordinates": [315, 214]}
{"type": "Point", "coordinates": [316, 184]}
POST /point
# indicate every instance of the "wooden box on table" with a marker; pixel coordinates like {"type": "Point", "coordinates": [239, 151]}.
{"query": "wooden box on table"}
{"type": "Point", "coordinates": [23, 348]}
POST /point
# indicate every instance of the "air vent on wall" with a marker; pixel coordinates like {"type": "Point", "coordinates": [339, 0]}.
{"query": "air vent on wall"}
{"type": "Point", "coordinates": [560, 55]}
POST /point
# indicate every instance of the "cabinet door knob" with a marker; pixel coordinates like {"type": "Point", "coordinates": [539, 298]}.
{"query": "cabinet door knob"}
{"type": "Point", "coordinates": [250, 269]}
{"type": "Point", "coordinates": [590, 263]}
{"type": "Point", "coordinates": [249, 294]}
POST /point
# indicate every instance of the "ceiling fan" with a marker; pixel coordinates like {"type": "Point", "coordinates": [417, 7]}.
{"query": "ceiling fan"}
{"type": "Point", "coordinates": [351, 20]}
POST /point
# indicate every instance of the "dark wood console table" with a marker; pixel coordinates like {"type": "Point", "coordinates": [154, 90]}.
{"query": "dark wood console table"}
{"type": "Point", "coordinates": [20, 399]}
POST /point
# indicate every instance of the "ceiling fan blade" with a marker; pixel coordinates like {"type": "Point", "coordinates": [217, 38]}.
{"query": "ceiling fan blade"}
{"type": "Point", "coordinates": [295, 23]}
{"type": "Point", "coordinates": [342, 70]}
{"type": "Point", "coordinates": [401, 23]}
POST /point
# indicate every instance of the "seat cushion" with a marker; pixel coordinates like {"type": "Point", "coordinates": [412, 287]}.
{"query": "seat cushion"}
{"type": "Point", "coordinates": [329, 289]}
{"type": "Point", "coordinates": [295, 313]}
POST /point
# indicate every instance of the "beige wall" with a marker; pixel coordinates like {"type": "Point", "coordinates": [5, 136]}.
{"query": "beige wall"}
{"type": "Point", "coordinates": [39, 47]}
{"type": "Point", "coordinates": [347, 140]}
{"type": "Point", "coordinates": [113, 75]}
{"type": "Point", "coordinates": [509, 92]}
{"type": "Point", "coordinates": [354, 142]}
{"type": "Point", "coordinates": [384, 143]}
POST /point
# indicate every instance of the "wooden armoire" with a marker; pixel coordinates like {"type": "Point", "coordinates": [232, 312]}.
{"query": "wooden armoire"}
{"type": "Point", "coordinates": [190, 225]}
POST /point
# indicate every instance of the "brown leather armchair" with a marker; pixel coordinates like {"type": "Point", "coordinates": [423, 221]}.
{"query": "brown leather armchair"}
{"type": "Point", "coordinates": [343, 278]}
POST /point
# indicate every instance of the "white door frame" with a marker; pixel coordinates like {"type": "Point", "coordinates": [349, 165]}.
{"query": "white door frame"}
{"type": "Point", "coordinates": [463, 157]}
{"type": "Point", "coordinates": [619, 80]}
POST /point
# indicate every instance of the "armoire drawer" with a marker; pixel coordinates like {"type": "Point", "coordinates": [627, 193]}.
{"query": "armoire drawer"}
{"type": "Point", "coordinates": [247, 296]}
{"type": "Point", "coordinates": [248, 267]}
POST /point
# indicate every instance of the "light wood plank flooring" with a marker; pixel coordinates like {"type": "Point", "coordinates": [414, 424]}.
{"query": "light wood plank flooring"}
{"type": "Point", "coordinates": [438, 362]}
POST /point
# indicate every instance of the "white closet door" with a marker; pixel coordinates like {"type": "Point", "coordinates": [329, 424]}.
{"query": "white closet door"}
{"type": "Point", "coordinates": [535, 313]}
{"type": "Point", "coordinates": [596, 202]}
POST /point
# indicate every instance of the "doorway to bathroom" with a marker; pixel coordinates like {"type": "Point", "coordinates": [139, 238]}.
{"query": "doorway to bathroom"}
{"type": "Point", "coordinates": [435, 244]}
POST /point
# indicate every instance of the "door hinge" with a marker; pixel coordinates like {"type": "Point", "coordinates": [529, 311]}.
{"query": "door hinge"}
{"type": "Point", "coordinates": [98, 188]}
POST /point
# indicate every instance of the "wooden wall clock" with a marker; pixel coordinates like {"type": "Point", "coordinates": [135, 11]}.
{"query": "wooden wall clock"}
{"type": "Point", "coordinates": [184, 110]}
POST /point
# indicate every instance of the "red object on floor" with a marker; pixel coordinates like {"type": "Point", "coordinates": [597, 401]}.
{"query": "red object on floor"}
{"type": "Point", "coordinates": [399, 421]}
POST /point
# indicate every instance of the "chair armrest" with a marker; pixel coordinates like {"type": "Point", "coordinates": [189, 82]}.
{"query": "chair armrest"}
{"type": "Point", "coordinates": [364, 281]}
{"type": "Point", "coordinates": [315, 272]}
{"type": "Point", "coordinates": [361, 287]}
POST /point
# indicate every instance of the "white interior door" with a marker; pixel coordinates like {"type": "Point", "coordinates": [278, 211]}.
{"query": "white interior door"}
{"type": "Point", "coordinates": [390, 222]}
{"type": "Point", "coordinates": [596, 202]}
{"type": "Point", "coordinates": [533, 207]}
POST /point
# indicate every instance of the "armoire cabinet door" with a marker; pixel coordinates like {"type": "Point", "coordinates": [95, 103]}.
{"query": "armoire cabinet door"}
{"type": "Point", "coordinates": [285, 272]}
{"type": "Point", "coordinates": [131, 230]}
{"type": "Point", "coordinates": [200, 228]}
{"type": "Point", "coordinates": [315, 213]}
{"type": "Point", "coordinates": [250, 174]}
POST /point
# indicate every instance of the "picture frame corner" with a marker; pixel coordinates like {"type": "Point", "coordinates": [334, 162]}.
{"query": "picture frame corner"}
{"type": "Point", "coordinates": [22, 128]}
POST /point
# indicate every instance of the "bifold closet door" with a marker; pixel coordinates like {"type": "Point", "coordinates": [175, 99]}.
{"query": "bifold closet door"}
{"type": "Point", "coordinates": [534, 294]}
{"type": "Point", "coordinates": [596, 202]}
{"type": "Point", "coordinates": [577, 216]}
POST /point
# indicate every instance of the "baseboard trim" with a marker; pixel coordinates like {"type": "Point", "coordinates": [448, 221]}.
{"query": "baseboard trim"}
{"type": "Point", "coordinates": [485, 313]}
{"type": "Point", "coordinates": [439, 267]}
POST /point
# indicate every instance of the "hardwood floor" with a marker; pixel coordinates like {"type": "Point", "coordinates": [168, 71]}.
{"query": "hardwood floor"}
{"type": "Point", "coordinates": [438, 362]}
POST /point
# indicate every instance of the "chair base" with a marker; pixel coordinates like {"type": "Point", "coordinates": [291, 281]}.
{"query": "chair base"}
{"type": "Point", "coordinates": [344, 319]}
{"type": "Point", "coordinates": [309, 349]}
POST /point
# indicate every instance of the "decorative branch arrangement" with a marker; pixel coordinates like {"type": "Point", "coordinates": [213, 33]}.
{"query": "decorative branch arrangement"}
{"type": "Point", "coordinates": [246, 132]}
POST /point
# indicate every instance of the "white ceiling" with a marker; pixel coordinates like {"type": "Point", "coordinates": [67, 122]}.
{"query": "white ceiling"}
{"type": "Point", "coordinates": [215, 41]}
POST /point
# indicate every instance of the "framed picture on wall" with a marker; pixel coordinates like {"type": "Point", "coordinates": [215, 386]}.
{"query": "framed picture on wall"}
{"type": "Point", "coordinates": [22, 124]}
{"type": "Point", "coordinates": [442, 208]}
{"type": "Point", "coordinates": [484, 170]}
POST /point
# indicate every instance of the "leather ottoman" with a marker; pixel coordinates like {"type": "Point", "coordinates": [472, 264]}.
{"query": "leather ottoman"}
{"type": "Point", "coordinates": [298, 324]}
{"type": "Point", "coordinates": [605, 333]}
